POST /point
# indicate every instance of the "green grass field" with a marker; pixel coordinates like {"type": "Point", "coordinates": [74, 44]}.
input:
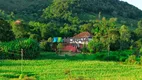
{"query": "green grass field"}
{"type": "Point", "coordinates": [63, 69]}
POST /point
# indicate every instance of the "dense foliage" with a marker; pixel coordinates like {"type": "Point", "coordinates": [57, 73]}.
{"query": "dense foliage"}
{"type": "Point", "coordinates": [45, 46]}
{"type": "Point", "coordinates": [33, 9]}
{"type": "Point", "coordinates": [12, 50]}
{"type": "Point", "coordinates": [25, 9]}
{"type": "Point", "coordinates": [6, 33]}
{"type": "Point", "coordinates": [64, 17]}
{"type": "Point", "coordinates": [41, 20]}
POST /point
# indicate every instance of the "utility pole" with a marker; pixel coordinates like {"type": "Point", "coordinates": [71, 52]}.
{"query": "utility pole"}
{"type": "Point", "coordinates": [22, 52]}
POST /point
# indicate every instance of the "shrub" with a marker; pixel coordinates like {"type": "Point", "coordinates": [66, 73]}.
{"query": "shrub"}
{"type": "Point", "coordinates": [35, 37]}
{"type": "Point", "coordinates": [141, 60]}
{"type": "Point", "coordinates": [103, 56]}
{"type": "Point", "coordinates": [60, 47]}
{"type": "Point", "coordinates": [91, 46]}
{"type": "Point", "coordinates": [12, 50]}
{"type": "Point", "coordinates": [45, 46]}
{"type": "Point", "coordinates": [131, 59]}
{"type": "Point", "coordinates": [114, 55]}
{"type": "Point", "coordinates": [94, 47]}
{"type": "Point", "coordinates": [84, 49]}
{"type": "Point", "coordinates": [49, 39]}
{"type": "Point", "coordinates": [125, 54]}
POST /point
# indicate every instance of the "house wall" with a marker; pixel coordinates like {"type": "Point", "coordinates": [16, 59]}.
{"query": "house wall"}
{"type": "Point", "coordinates": [72, 47]}
{"type": "Point", "coordinates": [69, 48]}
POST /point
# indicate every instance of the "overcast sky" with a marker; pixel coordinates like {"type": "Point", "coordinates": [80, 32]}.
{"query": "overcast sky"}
{"type": "Point", "coordinates": [137, 3]}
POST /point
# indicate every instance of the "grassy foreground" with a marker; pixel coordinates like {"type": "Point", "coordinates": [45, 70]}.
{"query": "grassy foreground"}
{"type": "Point", "coordinates": [63, 69]}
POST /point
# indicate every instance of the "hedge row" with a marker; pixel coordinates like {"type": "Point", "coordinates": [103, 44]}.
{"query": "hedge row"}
{"type": "Point", "coordinates": [103, 56]}
{"type": "Point", "coordinates": [12, 50]}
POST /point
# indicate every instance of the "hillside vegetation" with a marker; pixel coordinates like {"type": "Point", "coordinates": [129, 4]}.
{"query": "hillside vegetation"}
{"type": "Point", "coordinates": [115, 25]}
{"type": "Point", "coordinates": [84, 9]}
{"type": "Point", "coordinates": [25, 9]}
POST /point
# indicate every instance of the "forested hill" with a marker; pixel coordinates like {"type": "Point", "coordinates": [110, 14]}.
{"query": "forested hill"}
{"type": "Point", "coordinates": [25, 9]}
{"type": "Point", "coordinates": [84, 9]}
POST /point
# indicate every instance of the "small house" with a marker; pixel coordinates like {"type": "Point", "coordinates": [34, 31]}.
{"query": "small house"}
{"type": "Point", "coordinates": [75, 43]}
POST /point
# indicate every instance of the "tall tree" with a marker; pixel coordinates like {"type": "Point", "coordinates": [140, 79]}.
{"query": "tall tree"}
{"type": "Point", "coordinates": [124, 37]}
{"type": "Point", "coordinates": [20, 29]}
{"type": "Point", "coordinates": [138, 31]}
{"type": "Point", "coordinates": [138, 47]}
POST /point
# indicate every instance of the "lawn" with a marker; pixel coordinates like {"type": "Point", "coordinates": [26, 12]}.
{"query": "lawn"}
{"type": "Point", "coordinates": [47, 68]}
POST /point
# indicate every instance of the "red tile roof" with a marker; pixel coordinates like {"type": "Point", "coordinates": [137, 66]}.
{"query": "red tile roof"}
{"type": "Point", "coordinates": [83, 34]}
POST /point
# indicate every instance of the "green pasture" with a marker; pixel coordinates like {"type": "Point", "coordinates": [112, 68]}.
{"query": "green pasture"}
{"type": "Point", "coordinates": [53, 68]}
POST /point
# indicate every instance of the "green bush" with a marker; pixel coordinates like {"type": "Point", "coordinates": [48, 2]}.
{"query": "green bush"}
{"type": "Point", "coordinates": [60, 47]}
{"type": "Point", "coordinates": [45, 46]}
{"type": "Point", "coordinates": [131, 59]}
{"type": "Point", "coordinates": [81, 57]}
{"type": "Point", "coordinates": [102, 56]}
{"type": "Point", "coordinates": [94, 47]}
{"type": "Point", "coordinates": [35, 37]}
{"type": "Point", "coordinates": [113, 55]}
{"type": "Point", "coordinates": [12, 50]}
{"type": "Point", "coordinates": [125, 54]}
{"type": "Point", "coordinates": [84, 49]}
{"type": "Point", "coordinates": [141, 60]}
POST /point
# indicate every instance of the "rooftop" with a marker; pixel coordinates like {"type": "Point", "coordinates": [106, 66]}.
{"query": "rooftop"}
{"type": "Point", "coordinates": [83, 34]}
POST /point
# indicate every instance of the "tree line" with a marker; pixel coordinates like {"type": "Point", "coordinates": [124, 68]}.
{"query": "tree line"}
{"type": "Point", "coordinates": [62, 18]}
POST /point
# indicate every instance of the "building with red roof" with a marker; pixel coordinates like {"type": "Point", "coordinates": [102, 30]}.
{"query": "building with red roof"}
{"type": "Point", "coordinates": [75, 43]}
